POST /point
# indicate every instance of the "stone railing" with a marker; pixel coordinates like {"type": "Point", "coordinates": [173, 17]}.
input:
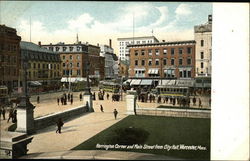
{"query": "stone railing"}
{"type": "Point", "coordinates": [174, 112]}
{"type": "Point", "coordinates": [45, 121]}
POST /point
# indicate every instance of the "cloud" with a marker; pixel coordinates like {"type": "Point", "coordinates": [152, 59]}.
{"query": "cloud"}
{"type": "Point", "coordinates": [183, 10]}
{"type": "Point", "coordinates": [163, 18]}
{"type": "Point", "coordinates": [82, 22]}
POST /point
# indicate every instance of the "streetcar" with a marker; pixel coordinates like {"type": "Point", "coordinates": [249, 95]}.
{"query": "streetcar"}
{"type": "Point", "coordinates": [110, 87]}
{"type": "Point", "coordinates": [173, 91]}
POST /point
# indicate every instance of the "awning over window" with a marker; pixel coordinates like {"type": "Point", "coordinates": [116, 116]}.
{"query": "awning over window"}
{"type": "Point", "coordinates": [135, 82]}
{"type": "Point", "coordinates": [153, 71]}
{"type": "Point", "coordinates": [74, 79]}
{"type": "Point", "coordinates": [185, 83]}
{"type": "Point", "coordinates": [127, 81]}
{"type": "Point", "coordinates": [146, 82]}
{"type": "Point", "coordinates": [34, 83]}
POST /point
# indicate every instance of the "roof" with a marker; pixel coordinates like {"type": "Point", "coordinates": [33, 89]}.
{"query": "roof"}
{"type": "Point", "coordinates": [141, 37]}
{"type": "Point", "coordinates": [164, 43]}
{"type": "Point", "coordinates": [33, 47]}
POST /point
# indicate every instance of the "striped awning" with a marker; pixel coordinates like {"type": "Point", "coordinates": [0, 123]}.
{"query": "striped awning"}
{"type": "Point", "coordinates": [146, 82]}
{"type": "Point", "coordinates": [135, 82]}
{"type": "Point", "coordinates": [153, 71]}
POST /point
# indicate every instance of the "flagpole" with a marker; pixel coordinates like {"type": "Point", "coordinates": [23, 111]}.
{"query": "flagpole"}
{"type": "Point", "coordinates": [30, 28]}
{"type": "Point", "coordinates": [133, 28]}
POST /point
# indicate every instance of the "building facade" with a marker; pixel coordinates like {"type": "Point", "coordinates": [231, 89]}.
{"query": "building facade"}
{"type": "Point", "coordinates": [9, 57]}
{"type": "Point", "coordinates": [123, 50]}
{"type": "Point", "coordinates": [44, 66]}
{"type": "Point", "coordinates": [203, 38]}
{"type": "Point", "coordinates": [123, 68]}
{"type": "Point", "coordinates": [75, 58]}
{"type": "Point", "coordinates": [110, 61]}
{"type": "Point", "coordinates": [172, 60]}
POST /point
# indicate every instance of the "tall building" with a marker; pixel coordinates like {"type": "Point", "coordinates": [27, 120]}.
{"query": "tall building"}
{"type": "Point", "coordinates": [75, 58]}
{"type": "Point", "coordinates": [44, 66]}
{"type": "Point", "coordinates": [170, 60]}
{"type": "Point", "coordinates": [123, 50]}
{"type": "Point", "coordinates": [203, 38]}
{"type": "Point", "coordinates": [9, 57]}
{"type": "Point", "coordinates": [111, 67]}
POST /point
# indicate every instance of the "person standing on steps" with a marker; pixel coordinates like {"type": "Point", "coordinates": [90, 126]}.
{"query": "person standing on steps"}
{"type": "Point", "coordinates": [115, 113]}
{"type": "Point", "coordinates": [38, 99]}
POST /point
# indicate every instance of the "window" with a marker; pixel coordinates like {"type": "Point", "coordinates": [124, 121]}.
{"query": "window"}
{"type": "Point", "coordinates": [149, 51]}
{"type": "Point", "coordinates": [172, 61]}
{"type": "Point", "coordinates": [142, 52]}
{"type": "Point", "coordinates": [54, 66]}
{"type": "Point", "coordinates": [71, 65]}
{"type": "Point", "coordinates": [165, 51]}
{"type": "Point", "coordinates": [136, 62]}
{"type": "Point", "coordinates": [78, 72]}
{"type": "Point", "coordinates": [70, 57]}
{"type": "Point", "coordinates": [78, 64]}
{"type": "Point", "coordinates": [202, 42]}
{"type": "Point", "coordinates": [71, 48]}
{"type": "Point", "coordinates": [64, 72]}
{"type": "Point", "coordinates": [64, 48]}
{"type": "Point", "coordinates": [184, 73]}
{"type": "Point", "coordinates": [150, 62]}
{"type": "Point", "coordinates": [137, 42]}
{"type": "Point", "coordinates": [188, 61]}
{"type": "Point", "coordinates": [156, 61]}
{"type": "Point", "coordinates": [164, 61]}
{"type": "Point", "coordinates": [136, 52]}
{"type": "Point", "coordinates": [63, 57]}
{"type": "Point", "coordinates": [43, 66]}
{"type": "Point", "coordinates": [142, 62]}
{"type": "Point", "coordinates": [201, 64]}
{"type": "Point", "coordinates": [189, 50]}
{"type": "Point", "coordinates": [189, 73]}
{"type": "Point", "coordinates": [34, 65]}
{"type": "Point", "coordinates": [180, 50]}
{"type": "Point", "coordinates": [78, 48]}
{"type": "Point", "coordinates": [157, 52]}
{"type": "Point", "coordinates": [38, 66]}
{"type": "Point", "coordinates": [180, 61]}
{"type": "Point", "coordinates": [180, 73]}
{"type": "Point", "coordinates": [57, 48]}
{"type": "Point", "coordinates": [202, 55]}
{"type": "Point", "coordinates": [78, 57]}
{"type": "Point", "coordinates": [144, 42]}
{"type": "Point", "coordinates": [172, 51]}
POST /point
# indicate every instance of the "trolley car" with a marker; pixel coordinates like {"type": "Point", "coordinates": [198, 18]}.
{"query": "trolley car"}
{"type": "Point", "coordinates": [110, 87]}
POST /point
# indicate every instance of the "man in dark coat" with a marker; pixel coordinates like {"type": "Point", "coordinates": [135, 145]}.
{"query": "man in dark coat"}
{"type": "Point", "coordinates": [38, 99]}
{"type": "Point", "coordinates": [3, 112]}
{"type": "Point", "coordinates": [58, 100]}
{"type": "Point", "coordinates": [101, 108]}
{"type": "Point", "coordinates": [115, 113]}
{"type": "Point", "coordinates": [59, 125]}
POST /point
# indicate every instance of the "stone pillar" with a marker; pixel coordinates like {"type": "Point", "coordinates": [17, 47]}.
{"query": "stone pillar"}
{"type": "Point", "coordinates": [87, 99]}
{"type": "Point", "coordinates": [25, 116]}
{"type": "Point", "coordinates": [13, 144]}
{"type": "Point", "coordinates": [131, 102]}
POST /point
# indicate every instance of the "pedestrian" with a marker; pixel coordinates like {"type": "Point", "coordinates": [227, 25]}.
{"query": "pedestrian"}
{"type": "Point", "coordinates": [3, 112]}
{"type": "Point", "coordinates": [62, 100]}
{"type": "Point", "coordinates": [0, 112]}
{"type": "Point", "coordinates": [14, 118]}
{"type": "Point", "coordinates": [71, 100]}
{"type": "Point", "coordinates": [58, 100]}
{"type": "Point", "coordinates": [71, 95]}
{"type": "Point", "coordinates": [209, 102]}
{"type": "Point", "coordinates": [107, 96]}
{"type": "Point", "coordinates": [38, 99]}
{"type": "Point", "coordinates": [200, 105]}
{"type": "Point", "coordinates": [101, 108]}
{"type": "Point", "coordinates": [115, 113]}
{"type": "Point", "coordinates": [94, 96]}
{"type": "Point", "coordinates": [80, 96]}
{"type": "Point", "coordinates": [10, 115]}
{"type": "Point", "coordinates": [194, 101]}
{"type": "Point", "coordinates": [68, 96]}
{"type": "Point", "coordinates": [59, 125]}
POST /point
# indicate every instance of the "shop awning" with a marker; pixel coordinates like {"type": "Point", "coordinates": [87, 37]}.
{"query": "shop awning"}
{"type": "Point", "coordinates": [153, 71]}
{"type": "Point", "coordinates": [127, 81]}
{"type": "Point", "coordinates": [74, 79]}
{"type": "Point", "coordinates": [146, 82]}
{"type": "Point", "coordinates": [135, 82]}
{"type": "Point", "coordinates": [185, 83]}
{"type": "Point", "coordinates": [34, 83]}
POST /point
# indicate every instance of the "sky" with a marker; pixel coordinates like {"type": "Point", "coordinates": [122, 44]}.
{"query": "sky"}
{"type": "Point", "coordinates": [97, 22]}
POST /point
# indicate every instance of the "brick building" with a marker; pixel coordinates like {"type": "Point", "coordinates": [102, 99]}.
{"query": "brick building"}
{"type": "Point", "coordinates": [170, 60]}
{"type": "Point", "coordinates": [44, 66]}
{"type": "Point", "coordinates": [75, 57]}
{"type": "Point", "coordinates": [9, 57]}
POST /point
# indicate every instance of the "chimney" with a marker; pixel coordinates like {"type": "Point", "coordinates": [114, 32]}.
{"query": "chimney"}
{"type": "Point", "coordinates": [39, 43]}
{"type": "Point", "coordinates": [97, 44]}
{"type": "Point", "coordinates": [210, 19]}
{"type": "Point", "coordinates": [163, 40]}
{"type": "Point", "coordinates": [110, 43]}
